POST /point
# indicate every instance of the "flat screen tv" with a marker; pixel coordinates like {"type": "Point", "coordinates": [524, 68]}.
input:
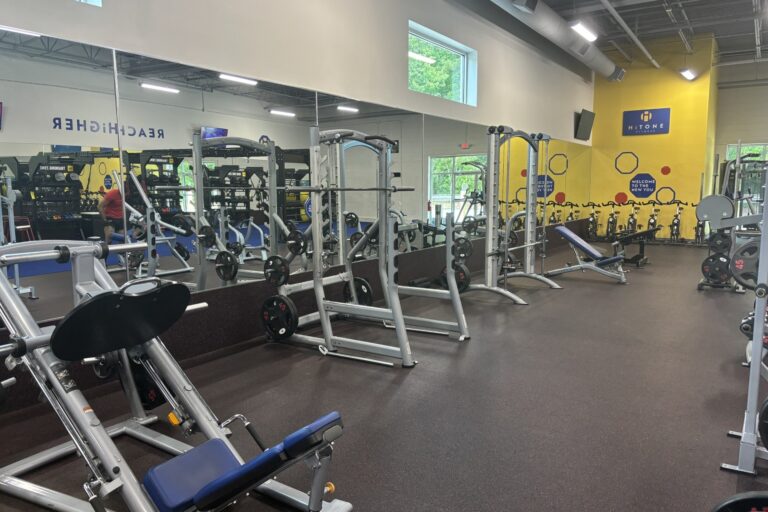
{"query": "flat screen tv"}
{"type": "Point", "coordinates": [209, 132]}
{"type": "Point", "coordinates": [583, 122]}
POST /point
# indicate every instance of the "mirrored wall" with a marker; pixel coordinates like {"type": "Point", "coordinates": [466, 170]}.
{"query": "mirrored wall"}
{"type": "Point", "coordinates": [63, 125]}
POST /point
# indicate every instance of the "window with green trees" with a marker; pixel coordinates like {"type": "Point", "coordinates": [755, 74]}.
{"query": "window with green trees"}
{"type": "Point", "coordinates": [452, 180]}
{"type": "Point", "coordinates": [761, 150]}
{"type": "Point", "coordinates": [441, 67]}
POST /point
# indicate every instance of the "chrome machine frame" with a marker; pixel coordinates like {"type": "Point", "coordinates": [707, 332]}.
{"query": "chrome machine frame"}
{"type": "Point", "coordinates": [109, 472]}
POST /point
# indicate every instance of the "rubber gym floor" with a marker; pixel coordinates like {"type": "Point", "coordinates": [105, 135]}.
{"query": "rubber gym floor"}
{"type": "Point", "coordinates": [599, 396]}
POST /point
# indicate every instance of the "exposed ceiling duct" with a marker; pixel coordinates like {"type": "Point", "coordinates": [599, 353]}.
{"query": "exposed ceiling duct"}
{"type": "Point", "coordinates": [541, 18]}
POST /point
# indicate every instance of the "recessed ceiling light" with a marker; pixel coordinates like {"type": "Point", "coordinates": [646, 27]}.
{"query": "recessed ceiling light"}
{"type": "Point", "coordinates": [240, 80]}
{"type": "Point", "coordinates": [348, 109]}
{"type": "Point", "coordinates": [688, 74]}
{"type": "Point", "coordinates": [19, 31]}
{"type": "Point", "coordinates": [282, 113]}
{"type": "Point", "coordinates": [421, 58]}
{"type": "Point", "coordinates": [160, 88]}
{"type": "Point", "coordinates": [584, 32]}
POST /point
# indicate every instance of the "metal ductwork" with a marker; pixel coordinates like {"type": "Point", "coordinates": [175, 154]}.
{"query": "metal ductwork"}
{"type": "Point", "coordinates": [541, 18]}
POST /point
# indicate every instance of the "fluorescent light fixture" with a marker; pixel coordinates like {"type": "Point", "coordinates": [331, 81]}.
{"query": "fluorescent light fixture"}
{"type": "Point", "coordinates": [19, 31]}
{"type": "Point", "coordinates": [688, 74]}
{"type": "Point", "coordinates": [240, 80]}
{"type": "Point", "coordinates": [160, 88]}
{"type": "Point", "coordinates": [281, 113]}
{"type": "Point", "coordinates": [584, 32]}
{"type": "Point", "coordinates": [348, 109]}
{"type": "Point", "coordinates": [421, 58]}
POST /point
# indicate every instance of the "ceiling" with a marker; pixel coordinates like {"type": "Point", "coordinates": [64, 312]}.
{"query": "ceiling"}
{"type": "Point", "coordinates": [137, 67]}
{"type": "Point", "coordinates": [738, 25]}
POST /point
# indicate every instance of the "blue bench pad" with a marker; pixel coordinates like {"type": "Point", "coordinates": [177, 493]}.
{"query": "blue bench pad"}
{"type": "Point", "coordinates": [209, 475]}
{"type": "Point", "coordinates": [580, 243]}
{"type": "Point", "coordinates": [173, 484]}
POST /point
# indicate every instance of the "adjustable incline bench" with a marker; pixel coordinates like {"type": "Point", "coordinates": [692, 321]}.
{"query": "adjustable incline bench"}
{"type": "Point", "coordinates": [592, 259]}
{"type": "Point", "coordinates": [126, 322]}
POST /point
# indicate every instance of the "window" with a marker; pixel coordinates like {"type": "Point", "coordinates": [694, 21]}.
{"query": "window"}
{"type": "Point", "coordinates": [97, 3]}
{"type": "Point", "coordinates": [454, 181]}
{"type": "Point", "coordinates": [747, 149]}
{"type": "Point", "coordinates": [440, 66]}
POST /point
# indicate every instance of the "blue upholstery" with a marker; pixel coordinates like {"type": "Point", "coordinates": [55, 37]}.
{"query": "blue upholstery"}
{"type": "Point", "coordinates": [209, 475]}
{"type": "Point", "coordinates": [303, 439]}
{"type": "Point", "coordinates": [173, 484]}
{"type": "Point", "coordinates": [259, 469]}
{"type": "Point", "coordinates": [580, 243]}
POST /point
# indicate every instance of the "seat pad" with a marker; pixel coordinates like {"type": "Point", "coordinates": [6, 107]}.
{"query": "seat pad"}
{"type": "Point", "coordinates": [257, 470]}
{"type": "Point", "coordinates": [579, 242]}
{"type": "Point", "coordinates": [173, 484]}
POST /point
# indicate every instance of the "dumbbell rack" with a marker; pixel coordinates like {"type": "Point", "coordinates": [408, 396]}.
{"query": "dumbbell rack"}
{"type": "Point", "coordinates": [54, 193]}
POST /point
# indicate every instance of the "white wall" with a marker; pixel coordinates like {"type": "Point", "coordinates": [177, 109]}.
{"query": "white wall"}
{"type": "Point", "coordinates": [352, 48]}
{"type": "Point", "coordinates": [37, 93]}
{"type": "Point", "coordinates": [742, 111]}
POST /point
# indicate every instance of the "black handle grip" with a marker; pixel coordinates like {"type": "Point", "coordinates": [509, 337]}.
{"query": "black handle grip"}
{"type": "Point", "coordinates": [255, 435]}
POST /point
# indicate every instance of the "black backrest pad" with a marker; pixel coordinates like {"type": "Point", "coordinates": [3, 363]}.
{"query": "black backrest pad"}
{"type": "Point", "coordinates": [113, 321]}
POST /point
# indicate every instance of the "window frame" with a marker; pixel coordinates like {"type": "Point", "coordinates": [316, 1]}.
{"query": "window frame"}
{"type": "Point", "coordinates": [454, 172]}
{"type": "Point", "coordinates": [468, 68]}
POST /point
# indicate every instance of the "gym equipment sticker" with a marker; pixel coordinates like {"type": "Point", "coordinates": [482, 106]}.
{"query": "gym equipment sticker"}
{"type": "Point", "coordinates": [545, 186]}
{"type": "Point", "coordinates": [642, 185]}
{"type": "Point", "coordinates": [653, 121]}
{"type": "Point", "coordinates": [107, 182]}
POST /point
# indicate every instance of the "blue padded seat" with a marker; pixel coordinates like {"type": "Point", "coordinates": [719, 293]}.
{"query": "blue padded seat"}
{"type": "Point", "coordinates": [209, 475]}
{"type": "Point", "coordinates": [173, 484]}
{"type": "Point", "coordinates": [580, 243]}
{"type": "Point", "coordinates": [253, 472]}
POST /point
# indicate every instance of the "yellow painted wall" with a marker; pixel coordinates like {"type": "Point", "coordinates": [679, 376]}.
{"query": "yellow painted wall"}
{"type": "Point", "coordinates": [569, 167]}
{"type": "Point", "coordinates": [688, 149]}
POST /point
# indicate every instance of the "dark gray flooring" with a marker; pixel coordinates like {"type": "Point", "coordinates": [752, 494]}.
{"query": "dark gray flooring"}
{"type": "Point", "coordinates": [595, 397]}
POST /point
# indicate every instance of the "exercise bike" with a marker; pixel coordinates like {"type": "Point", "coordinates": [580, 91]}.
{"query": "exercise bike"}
{"type": "Point", "coordinates": [592, 220]}
{"type": "Point", "coordinates": [571, 216]}
{"type": "Point", "coordinates": [632, 218]}
{"type": "Point", "coordinates": [653, 218]}
{"type": "Point", "coordinates": [612, 222]}
{"type": "Point", "coordinates": [674, 227]}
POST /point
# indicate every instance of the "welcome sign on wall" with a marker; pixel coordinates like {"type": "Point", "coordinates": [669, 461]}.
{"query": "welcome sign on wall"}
{"type": "Point", "coordinates": [652, 121]}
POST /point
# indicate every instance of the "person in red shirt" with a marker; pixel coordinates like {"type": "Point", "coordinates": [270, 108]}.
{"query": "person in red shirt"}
{"type": "Point", "coordinates": [111, 209]}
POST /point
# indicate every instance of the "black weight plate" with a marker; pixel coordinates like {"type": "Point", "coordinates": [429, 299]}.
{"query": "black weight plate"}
{"type": "Point", "coordinates": [715, 268]}
{"type": "Point", "coordinates": [469, 224]}
{"type": "Point", "coordinates": [762, 425]}
{"type": "Point", "coordinates": [226, 266]}
{"type": "Point", "coordinates": [719, 241]}
{"type": "Point", "coordinates": [463, 277]}
{"type": "Point", "coordinates": [276, 270]}
{"type": "Point", "coordinates": [291, 226]}
{"type": "Point", "coordinates": [462, 248]}
{"type": "Point", "coordinates": [744, 263]}
{"type": "Point", "coordinates": [280, 317]}
{"type": "Point", "coordinates": [351, 219]}
{"type": "Point", "coordinates": [183, 252]}
{"type": "Point", "coordinates": [181, 222]}
{"type": "Point", "coordinates": [297, 242]}
{"type": "Point", "coordinates": [362, 289]}
{"type": "Point", "coordinates": [356, 237]}
{"type": "Point", "coordinates": [207, 237]}
{"type": "Point", "coordinates": [235, 248]}
{"type": "Point", "coordinates": [412, 235]}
